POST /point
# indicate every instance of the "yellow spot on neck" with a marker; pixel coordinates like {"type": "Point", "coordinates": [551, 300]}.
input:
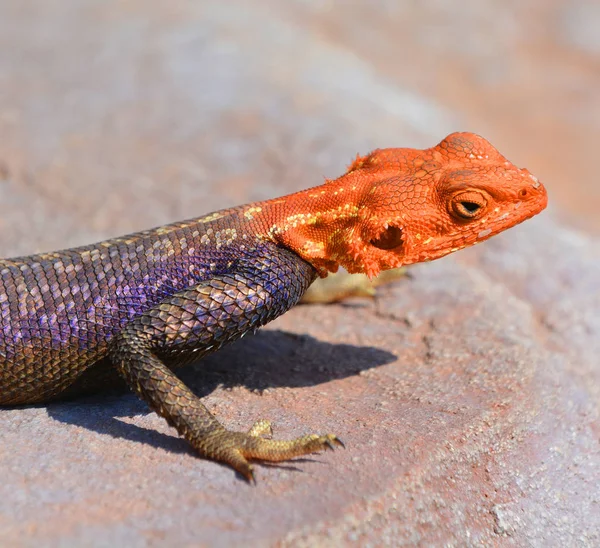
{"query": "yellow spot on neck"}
{"type": "Point", "coordinates": [249, 213]}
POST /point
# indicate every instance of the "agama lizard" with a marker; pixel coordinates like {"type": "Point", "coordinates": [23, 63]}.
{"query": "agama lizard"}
{"type": "Point", "coordinates": [141, 305]}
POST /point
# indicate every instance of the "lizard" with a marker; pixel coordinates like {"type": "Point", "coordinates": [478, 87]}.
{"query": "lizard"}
{"type": "Point", "coordinates": [137, 307]}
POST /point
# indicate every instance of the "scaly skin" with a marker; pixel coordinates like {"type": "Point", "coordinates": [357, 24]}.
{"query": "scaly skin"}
{"type": "Point", "coordinates": [141, 305]}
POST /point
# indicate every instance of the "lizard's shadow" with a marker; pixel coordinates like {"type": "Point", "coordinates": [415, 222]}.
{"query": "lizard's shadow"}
{"type": "Point", "coordinates": [269, 359]}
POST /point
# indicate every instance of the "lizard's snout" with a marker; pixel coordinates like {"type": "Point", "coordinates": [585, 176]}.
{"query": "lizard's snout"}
{"type": "Point", "coordinates": [533, 191]}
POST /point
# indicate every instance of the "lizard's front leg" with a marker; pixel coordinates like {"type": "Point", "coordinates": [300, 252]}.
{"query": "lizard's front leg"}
{"type": "Point", "coordinates": [196, 321]}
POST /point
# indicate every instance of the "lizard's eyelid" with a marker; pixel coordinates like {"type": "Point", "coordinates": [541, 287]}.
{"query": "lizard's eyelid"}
{"type": "Point", "coordinates": [467, 205]}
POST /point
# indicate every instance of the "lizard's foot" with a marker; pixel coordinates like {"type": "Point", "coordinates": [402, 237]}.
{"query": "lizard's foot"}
{"type": "Point", "coordinates": [341, 286]}
{"type": "Point", "coordinates": [237, 448]}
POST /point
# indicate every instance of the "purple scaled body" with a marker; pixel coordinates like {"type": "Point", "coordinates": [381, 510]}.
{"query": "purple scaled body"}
{"type": "Point", "coordinates": [60, 311]}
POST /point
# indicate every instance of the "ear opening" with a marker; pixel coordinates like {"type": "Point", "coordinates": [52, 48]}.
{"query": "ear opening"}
{"type": "Point", "coordinates": [390, 238]}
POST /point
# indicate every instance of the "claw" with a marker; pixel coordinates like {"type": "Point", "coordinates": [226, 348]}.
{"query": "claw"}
{"type": "Point", "coordinates": [332, 441]}
{"type": "Point", "coordinates": [329, 445]}
{"type": "Point", "coordinates": [339, 442]}
{"type": "Point", "coordinates": [248, 474]}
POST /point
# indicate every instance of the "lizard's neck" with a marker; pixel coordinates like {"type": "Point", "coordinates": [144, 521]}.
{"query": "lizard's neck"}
{"type": "Point", "coordinates": [312, 223]}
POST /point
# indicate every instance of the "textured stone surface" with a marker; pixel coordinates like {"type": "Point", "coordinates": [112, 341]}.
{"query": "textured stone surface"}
{"type": "Point", "coordinates": [467, 393]}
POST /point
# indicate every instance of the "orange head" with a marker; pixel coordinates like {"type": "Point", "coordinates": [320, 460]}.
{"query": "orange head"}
{"type": "Point", "coordinates": [401, 206]}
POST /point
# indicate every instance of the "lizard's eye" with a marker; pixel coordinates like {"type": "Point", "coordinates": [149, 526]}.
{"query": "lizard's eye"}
{"type": "Point", "coordinates": [467, 205]}
{"type": "Point", "coordinates": [390, 238]}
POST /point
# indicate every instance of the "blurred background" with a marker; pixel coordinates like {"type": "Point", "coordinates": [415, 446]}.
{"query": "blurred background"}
{"type": "Point", "coordinates": [119, 115]}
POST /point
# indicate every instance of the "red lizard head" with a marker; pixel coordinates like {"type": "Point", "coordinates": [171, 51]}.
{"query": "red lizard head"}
{"type": "Point", "coordinates": [400, 206]}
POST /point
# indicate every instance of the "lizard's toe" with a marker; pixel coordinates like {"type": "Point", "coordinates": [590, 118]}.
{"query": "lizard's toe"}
{"type": "Point", "coordinates": [315, 443]}
{"type": "Point", "coordinates": [261, 428]}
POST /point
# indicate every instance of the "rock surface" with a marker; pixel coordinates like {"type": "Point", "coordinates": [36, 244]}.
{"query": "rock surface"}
{"type": "Point", "coordinates": [467, 393]}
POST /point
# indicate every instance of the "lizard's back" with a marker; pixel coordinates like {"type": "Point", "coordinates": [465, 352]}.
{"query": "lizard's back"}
{"type": "Point", "coordinates": [59, 310]}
